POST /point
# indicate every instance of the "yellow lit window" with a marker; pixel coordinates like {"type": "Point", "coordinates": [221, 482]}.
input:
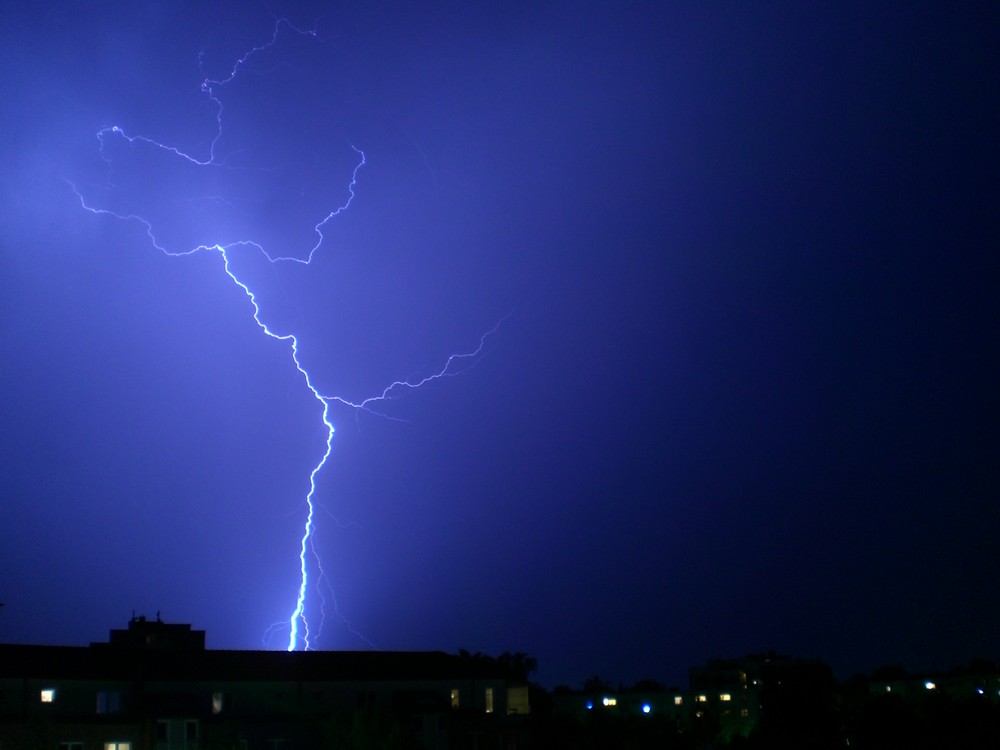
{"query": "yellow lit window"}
{"type": "Point", "coordinates": [517, 700]}
{"type": "Point", "coordinates": [489, 700]}
{"type": "Point", "coordinates": [678, 700]}
{"type": "Point", "coordinates": [725, 697]}
{"type": "Point", "coordinates": [610, 701]}
{"type": "Point", "coordinates": [702, 699]}
{"type": "Point", "coordinates": [454, 697]}
{"type": "Point", "coordinates": [48, 695]}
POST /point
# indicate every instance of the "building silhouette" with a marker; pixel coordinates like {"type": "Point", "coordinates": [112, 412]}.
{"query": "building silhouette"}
{"type": "Point", "coordinates": [154, 686]}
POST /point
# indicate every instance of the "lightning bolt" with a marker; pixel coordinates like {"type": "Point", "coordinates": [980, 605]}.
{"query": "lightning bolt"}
{"type": "Point", "coordinates": [298, 622]}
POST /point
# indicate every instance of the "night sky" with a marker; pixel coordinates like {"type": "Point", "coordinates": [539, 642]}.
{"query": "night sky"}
{"type": "Point", "coordinates": [743, 396]}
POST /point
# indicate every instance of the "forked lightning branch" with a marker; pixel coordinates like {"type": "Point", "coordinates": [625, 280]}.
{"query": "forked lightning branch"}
{"type": "Point", "coordinates": [300, 635]}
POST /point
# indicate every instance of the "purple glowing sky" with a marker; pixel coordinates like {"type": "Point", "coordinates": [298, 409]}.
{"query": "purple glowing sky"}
{"type": "Point", "coordinates": [742, 397]}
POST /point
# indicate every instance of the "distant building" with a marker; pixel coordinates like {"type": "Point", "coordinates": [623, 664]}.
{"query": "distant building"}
{"type": "Point", "coordinates": [728, 693]}
{"type": "Point", "coordinates": [154, 686]}
{"type": "Point", "coordinates": [725, 698]}
{"type": "Point", "coordinates": [964, 683]}
{"type": "Point", "coordinates": [669, 704]}
{"type": "Point", "coordinates": [761, 691]}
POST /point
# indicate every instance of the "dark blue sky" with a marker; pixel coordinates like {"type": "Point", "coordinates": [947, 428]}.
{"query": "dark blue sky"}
{"type": "Point", "coordinates": [743, 396]}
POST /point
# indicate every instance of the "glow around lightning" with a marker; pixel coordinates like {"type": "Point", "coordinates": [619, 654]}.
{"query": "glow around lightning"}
{"type": "Point", "coordinates": [298, 622]}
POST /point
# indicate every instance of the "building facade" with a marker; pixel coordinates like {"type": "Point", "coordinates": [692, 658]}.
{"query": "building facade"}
{"type": "Point", "coordinates": [154, 686]}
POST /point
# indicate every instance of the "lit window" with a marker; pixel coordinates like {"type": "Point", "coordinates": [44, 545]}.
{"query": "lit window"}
{"type": "Point", "coordinates": [744, 712]}
{"type": "Point", "coordinates": [678, 700]}
{"type": "Point", "coordinates": [489, 700]}
{"type": "Point", "coordinates": [888, 688]}
{"type": "Point", "coordinates": [117, 746]}
{"type": "Point", "coordinates": [610, 701]}
{"type": "Point", "coordinates": [646, 708]}
{"type": "Point", "coordinates": [517, 700]}
{"type": "Point", "coordinates": [699, 714]}
{"type": "Point", "coordinates": [725, 697]}
{"type": "Point", "coordinates": [48, 695]}
{"type": "Point", "coordinates": [454, 697]}
{"type": "Point", "coordinates": [217, 703]}
{"type": "Point", "coordinates": [702, 699]}
{"type": "Point", "coordinates": [929, 685]}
